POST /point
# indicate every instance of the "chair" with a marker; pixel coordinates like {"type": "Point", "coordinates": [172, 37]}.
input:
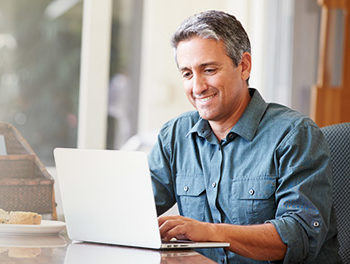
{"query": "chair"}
{"type": "Point", "coordinates": [338, 137]}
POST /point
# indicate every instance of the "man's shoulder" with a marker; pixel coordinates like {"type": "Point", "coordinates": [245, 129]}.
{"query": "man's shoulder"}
{"type": "Point", "coordinates": [275, 118]}
{"type": "Point", "coordinates": [284, 124]}
{"type": "Point", "coordinates": [283, 116]}
{"type": "Point", "coordinates": [177, 128]}
{"type": "Point", "coordinates": [183, 122]}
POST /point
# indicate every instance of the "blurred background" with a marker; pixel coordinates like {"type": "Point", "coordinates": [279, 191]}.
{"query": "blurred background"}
{"type": "Point", "coordinates": [101, 74]}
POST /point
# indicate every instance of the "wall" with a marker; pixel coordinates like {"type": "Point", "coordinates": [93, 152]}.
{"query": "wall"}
{"type": "Point", "coordinates": [305, 53]}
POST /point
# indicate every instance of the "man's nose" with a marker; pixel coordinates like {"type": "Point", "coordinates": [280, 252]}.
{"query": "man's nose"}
{"type": "Point", "coordinates": [199, 85]}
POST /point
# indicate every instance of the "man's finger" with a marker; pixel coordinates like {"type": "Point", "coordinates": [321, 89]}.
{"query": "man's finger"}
{"type": "Point", "coordinates": [162, 219]}
{"type": "Point", "coordinates": [178, 231]}
{"type": "Point", "coordinates": [168, 225]}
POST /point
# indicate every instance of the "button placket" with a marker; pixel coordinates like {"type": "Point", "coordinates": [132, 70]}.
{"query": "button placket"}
{"type": "Point", "coordinates": [213, 180]}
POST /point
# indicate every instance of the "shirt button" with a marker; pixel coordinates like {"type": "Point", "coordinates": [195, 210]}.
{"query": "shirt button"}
{"type": "Point", "coordinates": [231, 136]}
{"type": "Point", "coordinates": [186, 188]}
{"type": "Point", "coordinates": [316, 224]}
{"type": "Point", "coordinates": [251, 191]}
{"type": "Point", "coordinates": [213, 184]}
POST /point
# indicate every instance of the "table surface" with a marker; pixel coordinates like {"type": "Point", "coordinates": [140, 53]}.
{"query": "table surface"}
{"type": "Point", "coordinates": [58, 249]}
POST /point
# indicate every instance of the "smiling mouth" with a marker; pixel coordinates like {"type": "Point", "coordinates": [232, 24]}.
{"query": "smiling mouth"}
{"type": "Point", "coordinates": [205, 99]}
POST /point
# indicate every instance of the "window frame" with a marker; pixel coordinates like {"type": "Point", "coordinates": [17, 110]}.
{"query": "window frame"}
{"type": "Point", "coordinates": [94, 74]}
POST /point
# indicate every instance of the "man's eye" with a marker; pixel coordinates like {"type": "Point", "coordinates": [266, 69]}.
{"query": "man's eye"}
{"type": "Point", "coordinates": [210, 70]}
{"type": "Point", "coordinates": [186, 75]}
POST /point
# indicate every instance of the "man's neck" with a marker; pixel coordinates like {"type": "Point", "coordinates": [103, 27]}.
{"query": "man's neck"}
{"type": "Point", "coordinates": [223, 127]}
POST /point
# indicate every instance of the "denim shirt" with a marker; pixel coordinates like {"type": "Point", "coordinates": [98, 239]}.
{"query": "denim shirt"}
{"type": "Point", "coordinates": [273, 166]}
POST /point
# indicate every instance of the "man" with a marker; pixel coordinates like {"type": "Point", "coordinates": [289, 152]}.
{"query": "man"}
{"type": "Point", "coordinates": [253, 174]}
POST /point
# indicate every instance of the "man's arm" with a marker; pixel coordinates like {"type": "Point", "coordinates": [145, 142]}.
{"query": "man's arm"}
{"type": "Point", "coordinates": [260, 242]}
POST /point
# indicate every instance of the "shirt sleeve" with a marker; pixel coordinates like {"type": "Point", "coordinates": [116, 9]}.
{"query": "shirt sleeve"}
{"type": "Point", "coordinates": [162, 181]}
{"type": "Point", "coordinates": [304, 193]}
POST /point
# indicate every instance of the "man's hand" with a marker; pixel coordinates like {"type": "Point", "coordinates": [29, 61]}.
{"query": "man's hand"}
{"type": "Point", "coordinates": [260, 242]}
{"type": "Point", "coordinates": [180, 227]}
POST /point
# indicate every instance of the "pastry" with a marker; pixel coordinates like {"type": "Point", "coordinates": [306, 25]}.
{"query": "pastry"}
{"type": "Point", "coordinates": [19, 217]}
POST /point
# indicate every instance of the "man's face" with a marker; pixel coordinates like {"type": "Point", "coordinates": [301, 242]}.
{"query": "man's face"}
{"type": "Point", "coordinates": [213, 85]}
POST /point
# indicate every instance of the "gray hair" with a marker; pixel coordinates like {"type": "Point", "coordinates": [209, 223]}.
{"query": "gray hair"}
{"type": "Point", "coordinates": [215, 25]}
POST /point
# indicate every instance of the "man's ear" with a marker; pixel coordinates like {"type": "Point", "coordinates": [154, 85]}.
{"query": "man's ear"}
{"type": "Point", "coordinates": [246, 63]}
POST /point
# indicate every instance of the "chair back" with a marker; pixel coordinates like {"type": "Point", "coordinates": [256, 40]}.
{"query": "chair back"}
{"type": "Point", "coordinates": [338, 137]}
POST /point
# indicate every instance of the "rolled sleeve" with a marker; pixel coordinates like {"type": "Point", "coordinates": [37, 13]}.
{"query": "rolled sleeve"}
{"type": "Point", "coordinates": [294, 237]}
{"type": "Point", "coordinates": [303, 195]}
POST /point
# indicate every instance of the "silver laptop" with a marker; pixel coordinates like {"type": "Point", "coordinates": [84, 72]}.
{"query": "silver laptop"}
{"type": "Point", "coordinates": [107, 198]}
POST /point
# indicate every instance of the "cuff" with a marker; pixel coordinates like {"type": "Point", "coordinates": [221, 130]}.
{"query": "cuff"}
{"type": "Point", "coordinates": [294, 236]}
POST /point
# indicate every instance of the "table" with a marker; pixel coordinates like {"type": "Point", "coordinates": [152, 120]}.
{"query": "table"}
{"type": "Point", "coordinates": [58, 249]}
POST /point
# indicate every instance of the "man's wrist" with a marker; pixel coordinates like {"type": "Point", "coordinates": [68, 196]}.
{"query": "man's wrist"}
{"type": "Point", "coordinates": [216, 234]}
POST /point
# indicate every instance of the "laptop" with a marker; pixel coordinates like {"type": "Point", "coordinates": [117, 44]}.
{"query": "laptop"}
{"type": "Point", "coordinates": [107, 198]}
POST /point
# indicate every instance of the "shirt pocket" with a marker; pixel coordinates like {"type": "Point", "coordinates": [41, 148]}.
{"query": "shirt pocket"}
{"type": "Point", "coordinates": [254, 200]}
{"type": "Point", "coordinates": [191, 194]}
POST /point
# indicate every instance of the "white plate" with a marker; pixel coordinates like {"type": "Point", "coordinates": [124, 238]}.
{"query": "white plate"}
{"type": "Point", "coordinates": [46, 227]}
{"type": "Point", "coordinates": [43, 241]}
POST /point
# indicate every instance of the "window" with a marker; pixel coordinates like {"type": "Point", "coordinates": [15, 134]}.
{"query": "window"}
{"type": "Point", "coordinates": [124, 72]}
{"type": "Point", "coordinates": [40, 55]}
{"type": "Point", "coordinates": [40, 44]}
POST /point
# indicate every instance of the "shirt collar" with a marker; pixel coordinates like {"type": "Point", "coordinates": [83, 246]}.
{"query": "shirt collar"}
{"type": "Point", "coordinates": [202, 128]}
{"type": "Point", "coordinates": [246, 126]}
